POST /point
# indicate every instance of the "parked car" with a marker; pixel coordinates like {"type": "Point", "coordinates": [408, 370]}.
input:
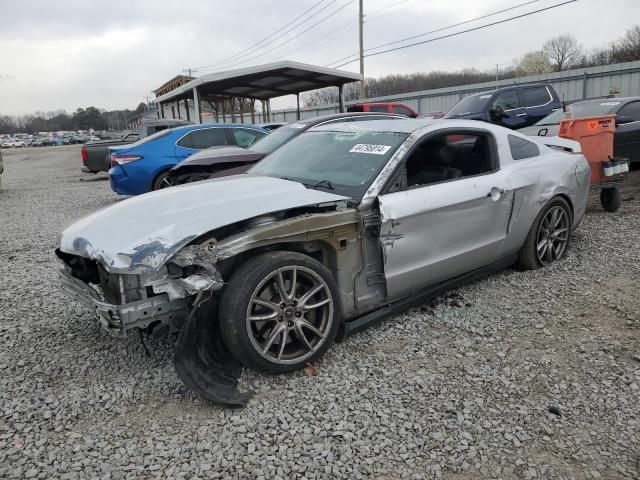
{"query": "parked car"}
{"type": "Point", "coordinates": [12, 143]}
{"type": "Point", "coordinates": [345, 224]}
{"type": "Point", "coordinates": [95, 154]}
{"type": "Point", "coordinates": [513, 107]}
{"type": "Point", "coordinates": [387, 107]}
{"type": "Point", "coordinates": [231, 160]}
{"type": "Point", "coordinates": [626, 141]}
{"type": "Point", "coordinates": [144, 165]}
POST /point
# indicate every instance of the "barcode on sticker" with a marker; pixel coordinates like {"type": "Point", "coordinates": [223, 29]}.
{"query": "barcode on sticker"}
{"type": "Point", "coordinates": [368, 148]}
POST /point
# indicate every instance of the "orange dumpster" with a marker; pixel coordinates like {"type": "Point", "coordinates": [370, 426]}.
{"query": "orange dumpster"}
{"type": "Point", "coordinates": [595, 135]}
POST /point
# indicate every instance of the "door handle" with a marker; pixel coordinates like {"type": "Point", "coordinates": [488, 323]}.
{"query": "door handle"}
{"type": "Point", "coordinates": [522, 115]}
{"type": "Point", "coordinates": [495, 193]}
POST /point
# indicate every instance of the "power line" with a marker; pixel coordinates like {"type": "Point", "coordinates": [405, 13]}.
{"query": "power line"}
{"type": "Point", "coordinates": [461, 32]}
{"type": "Point", "coordinates": [294, 37]}
{"type": "Point", "coordinates": [438, 30]}
{"type": "Point", "coordinates": [261, 43]}
{"type": "Point", "coordinates": [372, 17]}
{"type": "Point", "coordinates": [387, 7]}
{"type": "Point", "coordinates": [352, 23]}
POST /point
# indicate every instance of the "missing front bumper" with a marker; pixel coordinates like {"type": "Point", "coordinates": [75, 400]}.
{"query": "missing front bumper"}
{"type": "Point", "coordinates": [118, 319]}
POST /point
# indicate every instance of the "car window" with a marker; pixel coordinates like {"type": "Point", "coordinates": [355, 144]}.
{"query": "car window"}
{"type": "Point", "coordinates": [535, 96]}
{"type": "Point", "coordinates": [355, 108]}
{"type": "Point", "coordinates": [449, 157]}
{"type": "Point", "coordinates": [402, 110]}
{"type": "Point", "coordinates": [204, 138]}
{"type": "Point", "coordinates": [522, 148]}
{"type": "Point", "coordinates": [151, 138]}
{"type": "Point", "coordinates": [378, 108]}
{"type": "Point", "coordinates": [506, 100]}
{"type": "Point", "coordinates": [469, 105]}
{"type": "Point", "coordinates": [278, 137]}
{"type": "Point", "coordinates": [343, 162]}
{"type": "Point", "coordinates": [245, 137]}
{"type": "Point", "coordinates": [631, 110]}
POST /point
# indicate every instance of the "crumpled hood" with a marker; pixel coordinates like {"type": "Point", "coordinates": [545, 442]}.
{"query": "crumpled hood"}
{"type": "Point", "coordinates": [140, 234]}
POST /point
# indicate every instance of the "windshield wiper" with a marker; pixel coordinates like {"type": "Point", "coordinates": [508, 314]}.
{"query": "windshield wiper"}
{"type": "Point", "coordinates": [323, 183]}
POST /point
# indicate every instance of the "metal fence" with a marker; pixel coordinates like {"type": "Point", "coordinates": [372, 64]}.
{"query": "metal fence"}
{"type": "Point", "coordinates": [622, 79]}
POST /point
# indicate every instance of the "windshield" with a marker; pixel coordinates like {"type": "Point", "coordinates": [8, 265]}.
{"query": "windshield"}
{"type": "Point", "coordinates": [150, 138]}
{"type": "Point", "coordinates": [342, 162]}
{"type": "Point", "coordinates": [579, 110]}
{"type": "Point", "coordinates": [277, 138]}
{"type": "Point", "coordinates": [472, 104]}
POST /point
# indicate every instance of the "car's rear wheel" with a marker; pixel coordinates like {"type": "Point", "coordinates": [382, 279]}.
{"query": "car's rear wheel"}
{"type": "Point", "coordinates": [549, 236]}
{"type": "Point", "coordinates": [161, 181]}
{"type": "Point", "coordinates": [279, 312]}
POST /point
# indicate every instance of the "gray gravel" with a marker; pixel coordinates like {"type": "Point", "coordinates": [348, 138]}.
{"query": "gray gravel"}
{"type": "Point", "coordinates": [461, 389]}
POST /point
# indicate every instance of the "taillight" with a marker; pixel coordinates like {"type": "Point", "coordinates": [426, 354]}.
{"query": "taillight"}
{"type": "Point", "coordinates": [122, 159]}
{"type": "Point", "coordinates": [84, 154]}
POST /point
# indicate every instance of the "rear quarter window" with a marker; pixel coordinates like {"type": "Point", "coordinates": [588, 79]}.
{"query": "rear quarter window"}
{"type": "Point", "coordinates": [521, 148]}
{"type": "Point", "coordinates": [535, 96]}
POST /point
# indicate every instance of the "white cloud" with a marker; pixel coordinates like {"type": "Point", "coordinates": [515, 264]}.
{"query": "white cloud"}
{"type": "Point", "coordinates": [81, 53]}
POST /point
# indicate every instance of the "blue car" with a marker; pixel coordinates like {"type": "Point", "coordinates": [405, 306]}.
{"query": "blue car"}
{"type": "Point", "coordinates": [143, 166]}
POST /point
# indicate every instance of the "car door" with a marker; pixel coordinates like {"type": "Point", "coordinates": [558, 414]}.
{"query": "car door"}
{"type": "Point", "coordinates": [199, 139]}
{"type": "Point", "coordinates": [627, 136]}
{"type": "Point", "coordinates": [537, 102]}
{"type": "Point", "coordinates": [435, 232]}
{"type": "Point", "coordinates": [513, 115]}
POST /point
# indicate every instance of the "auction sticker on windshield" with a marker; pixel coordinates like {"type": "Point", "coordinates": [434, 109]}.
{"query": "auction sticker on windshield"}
{"type": "Point", "coordinates": [368, 148]}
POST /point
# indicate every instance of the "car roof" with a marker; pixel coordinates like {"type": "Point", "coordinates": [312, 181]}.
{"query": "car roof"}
{"type": "Point", "coordinates": [335, 116]}
{"type": "Point", "coordinates": [187, 128]}
{"type": "Point", "coordinates": [508, 87]}
{"type": "Point", "coordinates": [407, 125]}
{"type": "Point", "coordinates": [606, 100]}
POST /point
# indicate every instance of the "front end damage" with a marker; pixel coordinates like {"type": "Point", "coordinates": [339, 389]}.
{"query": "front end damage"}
{"type": "Point", "coordinates": [180, 297]}
{"type": "Point", "coordinates": [178, 300]}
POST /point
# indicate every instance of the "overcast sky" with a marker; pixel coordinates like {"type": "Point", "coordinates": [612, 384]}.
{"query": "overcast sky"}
{"type": "Point", "coordinates": [68, 54]}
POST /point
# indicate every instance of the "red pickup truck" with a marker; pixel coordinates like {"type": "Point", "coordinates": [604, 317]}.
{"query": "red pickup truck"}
{"type": "Point", "coordinates": [386, 107]}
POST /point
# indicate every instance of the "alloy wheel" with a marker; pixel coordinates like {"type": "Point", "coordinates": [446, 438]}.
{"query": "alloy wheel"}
{"type": "Point", "coordinates": [289, 315]}
{"type": "Point", "coordinates": [553, 235]}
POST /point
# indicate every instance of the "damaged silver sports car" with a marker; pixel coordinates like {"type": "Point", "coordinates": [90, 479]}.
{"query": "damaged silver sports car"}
{"type": "Point", "coordinates": [342, 226]}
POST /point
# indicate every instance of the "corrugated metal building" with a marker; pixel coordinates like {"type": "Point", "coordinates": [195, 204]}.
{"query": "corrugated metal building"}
{"type": "Point", "coordinates": [621, 78]}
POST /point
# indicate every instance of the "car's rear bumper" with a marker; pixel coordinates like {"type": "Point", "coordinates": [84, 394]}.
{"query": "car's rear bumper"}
{"type": "Point", "coordinates": [118, 319]}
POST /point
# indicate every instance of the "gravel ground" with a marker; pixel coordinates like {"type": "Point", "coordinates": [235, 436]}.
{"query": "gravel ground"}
{"type": "Point", "coordinates": [522, 375]}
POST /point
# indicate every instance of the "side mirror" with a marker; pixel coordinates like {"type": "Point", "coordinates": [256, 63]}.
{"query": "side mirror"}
{"type": "Point", "coordinates": [497, 113]}
{"type": "Point", "coordinates": [622, 119]}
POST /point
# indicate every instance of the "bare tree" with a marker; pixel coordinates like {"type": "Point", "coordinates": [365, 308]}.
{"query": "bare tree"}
{"type": "Point", "coordinates": [563, 51]}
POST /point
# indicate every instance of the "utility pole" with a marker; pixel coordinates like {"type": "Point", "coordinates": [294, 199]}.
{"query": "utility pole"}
{"type": "Point", "coordinates": [361, 24]}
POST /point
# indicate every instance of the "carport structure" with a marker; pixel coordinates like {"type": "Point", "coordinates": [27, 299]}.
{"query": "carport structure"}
{"type": "Point", "coordinates": [235, 90]}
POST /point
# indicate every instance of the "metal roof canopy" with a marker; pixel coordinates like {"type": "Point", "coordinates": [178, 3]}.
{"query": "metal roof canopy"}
{"type": "Point", "coordinates": [262, 82]}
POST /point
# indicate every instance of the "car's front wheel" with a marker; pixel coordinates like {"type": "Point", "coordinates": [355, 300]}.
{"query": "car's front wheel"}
{"type": "Point", "coordinates": [549, 236]}
{"type": "Point", "coordinates": [279, 311]}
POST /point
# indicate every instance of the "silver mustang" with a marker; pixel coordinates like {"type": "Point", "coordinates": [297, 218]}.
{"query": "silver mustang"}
{"type": "Point", "coordinates": [345, 224]}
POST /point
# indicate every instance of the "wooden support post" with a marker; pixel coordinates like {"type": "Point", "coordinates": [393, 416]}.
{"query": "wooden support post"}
{"type": "Point", "coordinates": [186, 107]}
{"type": "Point", "coordinates": [253, 110]}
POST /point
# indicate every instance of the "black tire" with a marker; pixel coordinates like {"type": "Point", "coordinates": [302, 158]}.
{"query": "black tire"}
{"type": "Point", "coordinates": [251, 282]}
{"type": "Point", "coordinates": [610, 199]}
{"type": "Point", "coordinates": [196, 177]}
{"type": "Point", "coordinates": [528, 257]}
{"type": "Point", "coordinates": [160, 181]}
